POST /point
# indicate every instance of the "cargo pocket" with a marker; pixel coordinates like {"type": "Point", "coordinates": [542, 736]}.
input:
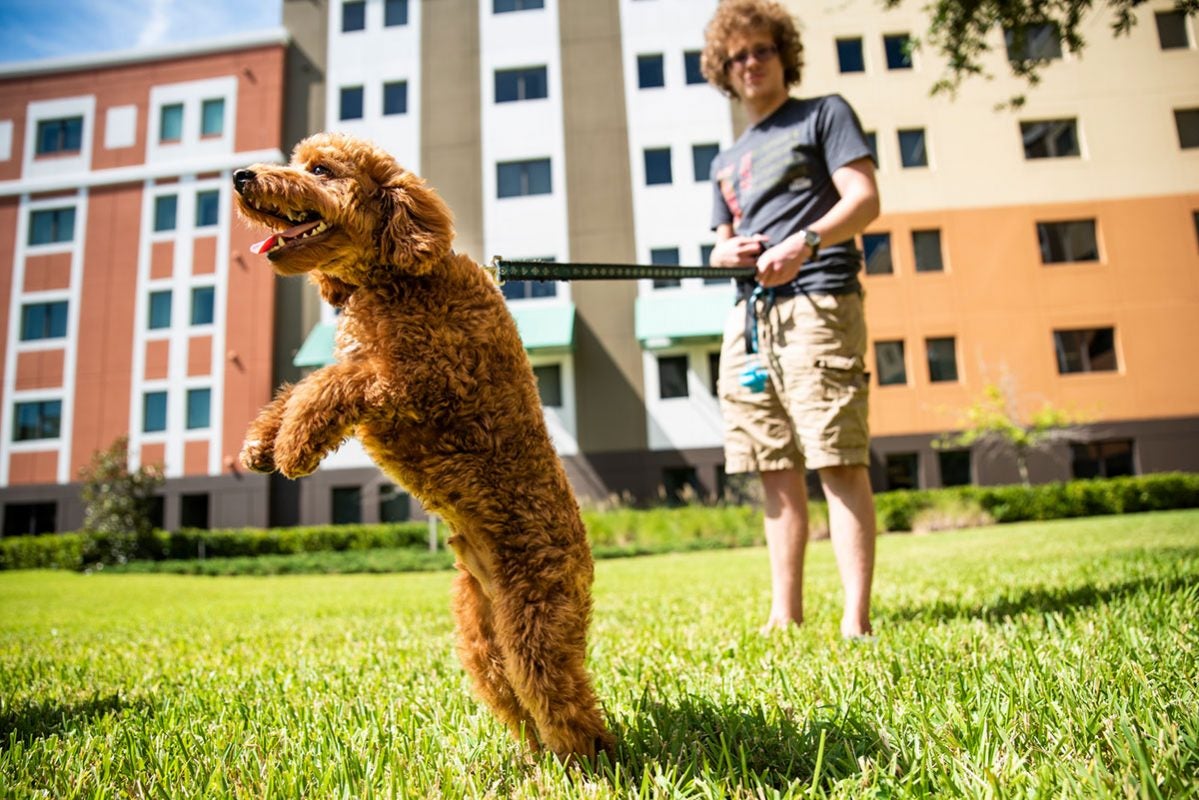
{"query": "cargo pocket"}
{"type": "Point", "coordinates": [841, 377]}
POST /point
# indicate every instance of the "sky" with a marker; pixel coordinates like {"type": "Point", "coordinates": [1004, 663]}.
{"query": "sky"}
{"type": "Point", "coordinates": [41, 29]}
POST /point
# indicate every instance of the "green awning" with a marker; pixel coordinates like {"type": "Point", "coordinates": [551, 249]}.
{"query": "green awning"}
{"type": "Point", "coordinates": [317, 350]}
{"type": "Point", "coordinates": [542, 326]}
{"type": "Point", "coordinates": [665, 318]}
{"type": "Point", "coordinates": [545, 326]}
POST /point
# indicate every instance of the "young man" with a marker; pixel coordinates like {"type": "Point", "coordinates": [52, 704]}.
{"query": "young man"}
{"type": "Point", "coordinates": [790, 196]}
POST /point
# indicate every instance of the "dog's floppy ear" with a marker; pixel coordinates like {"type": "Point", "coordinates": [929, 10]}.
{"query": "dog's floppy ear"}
{"type": "Point", "coordinates": [417, 229]}
{"type": "Point", "coordinates": [334, 291]}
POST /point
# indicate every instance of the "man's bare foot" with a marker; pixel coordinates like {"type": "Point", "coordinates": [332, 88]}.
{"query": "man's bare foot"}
{"type": "Point", "coordinates": [779, 624]}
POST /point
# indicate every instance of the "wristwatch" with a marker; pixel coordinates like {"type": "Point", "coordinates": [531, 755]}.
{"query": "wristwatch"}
{"type": "Point", "coordinates": [812, 239]}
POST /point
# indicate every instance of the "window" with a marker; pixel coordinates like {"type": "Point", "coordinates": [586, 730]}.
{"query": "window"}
{"type": "Point", "coordinates": [170, 123]}
{"type": "Point", "coordinates": [521, 178]}
{"type": "Point", "coordinates": [1086, 350]}
{"type": "Point", "coordinates": [353, 16]}
{"type": "Point", "coordinates": [520, 84]}
{"type": "Point", "coordinates": [395, 98]}
{"type": "Point", "coordinates": [657, 166]}
{"type": "Point", "coordinates": [347, 505]}
{"type": "Point", "coordinates": [666, 256]}
{"type": "Point", "coordinates": [504, 6]}
{"type": "Point", "coordinates": [52, 225]}
{"type": "Point", "coordinates": [393, 504]}
{"type": "Point", "coordinates": [154, 412]}
{"type": "Point", "coordinates": [203, 298]}
{"type": "Point", "coordinates": [650, 72]}
{"type": "Point", "coordinates": [890, 363]}
{"type": "Point", "coordinates": [1107, 459]}
{"type": "Point", "coordinates": [691, 67]}
{"type": "Point", "coordinates": [193, 511]}
{"type": "Point", "coordinates": [898, 47]}
{"type": "Point", "coordinates": [160, 310]}
{"type": "Point", "coordinates": [549, 384]}
{"type": "Point", "coordinates": [876, 247]}
{"type": "Point", "coordinates": [872, 143]}
{"type": "Point", "coordinates": [1063, 242]}
{"type": "Point", "coordinates": [351, 103]}
{"type": "Point", "coordinates": [208, 206]}
{"type": "Point", "coordinates": [701, 159]}
{"type": "Point", "coordinates": [1187, 122]}
{"type": "Point", "coordinates": [395, 12]}
{"type": "Point", "coordinates": [37, 420]}
{"type": "Point", "coordinates": [911, 148]}
{"type": "Point", "coordinates": [955, 467]}
{"type": "Point", "coordinates": [212, 117]}
{"type": "Point", "coordinates": [902, 471]}
{"type": "Point", "coordinates": [1051, 138]}
{"type": "Point", "coordinates": [942, 359]}
{"type": "Point", "coordinates": [1033, 43]}
{"type": "Point", "coordinates": [199, 403]}
{"type": "Point", "coordinates": [165, 207]}
{"type": "Point", "coordinates": [59, 135]}
{"type": "Point", "coordinates": [672, 377]}
{"type": "Point", "coordinates": [1172, 30]}
{"type": "Point", "coordinates": [927, 247]}
{"type": "Point", "coordinates": [43, 321]}
{"type": "Point", "coordinates": [714, 373]}
{"type": "Point", "coordinates": [30, 519]}
{"type": "Point", "coordinates": [681, 484]}
{"type": "Point", "coordinates": [849, 55]}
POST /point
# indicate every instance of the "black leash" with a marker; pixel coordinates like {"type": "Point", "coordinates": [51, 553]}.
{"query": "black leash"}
{"type": "Point", "coordinates": [504, 270]}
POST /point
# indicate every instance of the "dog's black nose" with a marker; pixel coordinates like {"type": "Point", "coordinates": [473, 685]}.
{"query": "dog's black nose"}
{"type": "Point", "coordinates": [240, 178]}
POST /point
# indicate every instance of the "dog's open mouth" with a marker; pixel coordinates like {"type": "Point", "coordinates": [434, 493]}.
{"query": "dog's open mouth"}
{"type": "Point", "coordinates": [297, 233]}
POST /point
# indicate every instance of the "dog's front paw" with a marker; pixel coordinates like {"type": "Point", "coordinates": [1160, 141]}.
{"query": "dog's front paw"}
{"type": "Point", "coordinates": [257, 456]}
{"type": "Point", "coordinates": [296, 463]}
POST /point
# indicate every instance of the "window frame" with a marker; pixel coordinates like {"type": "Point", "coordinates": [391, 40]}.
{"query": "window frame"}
{"type": "Point", "coordinates": [520, 84]}
{"type": "Point", "coordinates": [1083, 354]}
{"type": "Point", "coordinates": [54, 321]}
{"type": "Point", "coordinates": [656, 61]}
{"type": "Point", "coordinates": [654, 165]}
{"type": "Point", "coordinates": [60, 232]}
{"type": "Point", "coordinates": [65, 132]}
{"type": "Point", "coordinates": [525, 176]}
{"type": "Point", "coordinates": [839, 42]}
{"type": "Point", "coordinates": [673, 359]}
{"type": "Point", "coordinates": [359, 7]}
{"type": "Point", "coordinates": [48, 428]}
{"type": "Point", "coordinates": [879, 362]}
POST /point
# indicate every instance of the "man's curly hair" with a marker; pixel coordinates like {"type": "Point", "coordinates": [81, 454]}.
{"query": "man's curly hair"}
{"type": "Point", "coordinates": [742, 16]}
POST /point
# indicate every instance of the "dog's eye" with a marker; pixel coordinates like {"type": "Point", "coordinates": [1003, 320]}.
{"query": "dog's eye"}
{"type": "Point", "coordinates": [321, 170]}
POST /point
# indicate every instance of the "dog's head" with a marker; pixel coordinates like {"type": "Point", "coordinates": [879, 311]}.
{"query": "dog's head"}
{"type": "Point", "coordinates": [345, 212]}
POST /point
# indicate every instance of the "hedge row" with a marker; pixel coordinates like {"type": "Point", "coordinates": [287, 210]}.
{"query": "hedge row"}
{"type": "Point", "coordinates": [621, 530]}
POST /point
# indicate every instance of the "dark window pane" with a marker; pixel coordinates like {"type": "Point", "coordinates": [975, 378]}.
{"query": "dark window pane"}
{"type": "Point", "coordinates": [351, 103]}
{"type": "Point", "coordinates": [872, 142]}
{"type": "Point", "coordinates": [650, 72]}
{"type": "Point", "coordinates": [701, 159]}
{"type": "Point", "coordinates": [889, 359]}
{"type": "Point", "coordinates": [353, 16]}
{"type": "Point", "coordinates": [193, 511]}
{"type": "Point", "coordinates": [691, 67]}
{"type": "Point", "coordinates": [160, 310]}
{"type": "Point", "coordinates": [927, 247]}
{"type": "Point", "coordinates": [165, 207]}
{"type": "Point", "coordinates": [876, 247]}
{"type": "Point", "coordinates": [672, 376]}
{"type": "Point", "coordinates": [212, 117]}
{"type": "Point", "coordinates": [208, 206]}
{"type": "Point", "coordinates": [549, 384]}
{"type": "Point", "coordinates": [1107, 459]}
{"type": "Point", "coordinates": [849, 55]}
{"type": "Point", "coordinates": [681, 485]}
{"type": "Point", "coordinates": [1063, 242]}
{"type": "Point", "coordinates": [942, 359]}
{"type": "Point", "coordinates": [199, 412]}
{"type": "Point", "coordinates": [60, 135]}
{"type": "Point", "coordinates": [393, 504]}
{"type": "Point", "coordinates": [395, 12]}
{"type": "Point", "coordinates": [955, 467]}
{"type": "Point", "coordinates": [30, 519]}
{"type": "Point", "coordinates": [1187, 122]}
{"type": "Point", "coordinates": [1172, 30]}
{"type": "Point", "coordinates": [170, 127]}
{"type": "Point", "coordinates": [518, 178]}
{"type": "Point", "coordinates": [37, 420]}
{"type": "Point", "coordinates": [1053, 138]}
{"type": "Point", "coordinates": [1033, 43]}
{"type": "Point", "coordinates": [714, 372]}
{"type": "Point", "coordinates": [154, 412]}
{"type": "Point", "coordinates": [347, 505]}
{"type": "Point", "coordinates": [898, 47]}
{"type": "Point", "coordinates": [51, 226]}
{"type": "Point", "coordinates": [902, 471]}
{"type": "Point", "coordinates": [503, 6]}
{"type": "Point", "coordinates": [1087, 350]}
{"type": "Point", "coordinates": [43, 321]}
{"type": "Point", "coordinates": [521, 84]}
{"type": "Point", "coordinates": [395, 98]}
{"type": "Point", "coordinates": [657, 166]}
{"type": "Point", "coordinates": [203, 298]}
{"type": "Point", "coordinates": [911, 148]}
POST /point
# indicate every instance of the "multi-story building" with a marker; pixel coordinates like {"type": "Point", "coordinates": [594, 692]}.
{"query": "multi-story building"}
{"type": "Point", "coordinates": [129, 305]}
{"type": "Point", "coordinates": [1054, 247]}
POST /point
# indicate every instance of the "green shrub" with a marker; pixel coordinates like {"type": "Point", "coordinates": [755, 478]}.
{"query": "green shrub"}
{"type": "Point", "coordinates": [49, 551]}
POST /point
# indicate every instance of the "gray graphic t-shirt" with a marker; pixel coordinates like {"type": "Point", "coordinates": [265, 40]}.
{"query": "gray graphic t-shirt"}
{"type": "Point", "coordinates": [777, 179]}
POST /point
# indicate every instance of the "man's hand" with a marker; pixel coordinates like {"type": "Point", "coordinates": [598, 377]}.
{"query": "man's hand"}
{"type": "Point", "coordinates": [737, 251]}
{"type": "Point", "coordinates": [781, 263]}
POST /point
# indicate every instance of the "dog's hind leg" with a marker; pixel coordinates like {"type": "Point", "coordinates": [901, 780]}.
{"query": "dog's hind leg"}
{"type": "Point", "coordinates": [483, 659]}
{"type": "Point", "coordinates": [543, 633]}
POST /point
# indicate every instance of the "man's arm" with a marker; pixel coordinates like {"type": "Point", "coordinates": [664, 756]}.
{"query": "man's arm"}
{"type": "Point", "coordinates": [856, 209]}
{"type": "Point", "coordinates": [735, 251]}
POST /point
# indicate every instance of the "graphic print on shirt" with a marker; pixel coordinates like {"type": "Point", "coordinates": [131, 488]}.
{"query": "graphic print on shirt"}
{"type": "Point", "coordinates": [783, 162]}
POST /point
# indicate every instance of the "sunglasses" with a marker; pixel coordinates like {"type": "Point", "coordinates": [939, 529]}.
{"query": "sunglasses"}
{"type": "Point", "coordinates": [760, 53]}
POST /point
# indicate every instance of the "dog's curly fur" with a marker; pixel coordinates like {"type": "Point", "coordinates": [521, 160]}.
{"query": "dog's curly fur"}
{"type": "Point", "coordinates": [432, 377]}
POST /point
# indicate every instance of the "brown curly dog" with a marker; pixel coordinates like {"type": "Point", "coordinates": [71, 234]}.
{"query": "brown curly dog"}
{"type": "Point", "coordinates": [432, 378]}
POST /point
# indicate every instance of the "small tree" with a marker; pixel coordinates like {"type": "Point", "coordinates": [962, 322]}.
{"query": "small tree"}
{"type": "Point", "coordinates": [993, 422]}
{"type": "Point", "coordinates": [118, 503]}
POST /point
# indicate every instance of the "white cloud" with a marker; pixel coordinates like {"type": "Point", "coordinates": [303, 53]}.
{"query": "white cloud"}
{"type": "Point", "coordinates": [157, 24]}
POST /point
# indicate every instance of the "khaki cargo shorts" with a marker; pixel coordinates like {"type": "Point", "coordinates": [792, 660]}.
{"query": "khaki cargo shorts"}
{"type": "Point", "coordinates": [813, 411]}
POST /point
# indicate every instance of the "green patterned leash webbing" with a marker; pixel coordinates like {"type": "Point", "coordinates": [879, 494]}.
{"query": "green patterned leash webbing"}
{"type": "Point", "coordinates": [504, 270]}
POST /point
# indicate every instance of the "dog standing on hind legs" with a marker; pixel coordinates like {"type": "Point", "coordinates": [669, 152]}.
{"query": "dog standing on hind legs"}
{"type": "Point", "coordinates": [432, 377]}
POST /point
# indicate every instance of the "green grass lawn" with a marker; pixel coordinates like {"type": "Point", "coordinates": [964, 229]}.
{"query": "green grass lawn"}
{"type": "Point", "coordinates": [1047, 659]}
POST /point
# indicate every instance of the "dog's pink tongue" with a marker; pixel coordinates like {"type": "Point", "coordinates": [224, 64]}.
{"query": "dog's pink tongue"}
{"type": "Point", "coordinates": [291, 233]}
